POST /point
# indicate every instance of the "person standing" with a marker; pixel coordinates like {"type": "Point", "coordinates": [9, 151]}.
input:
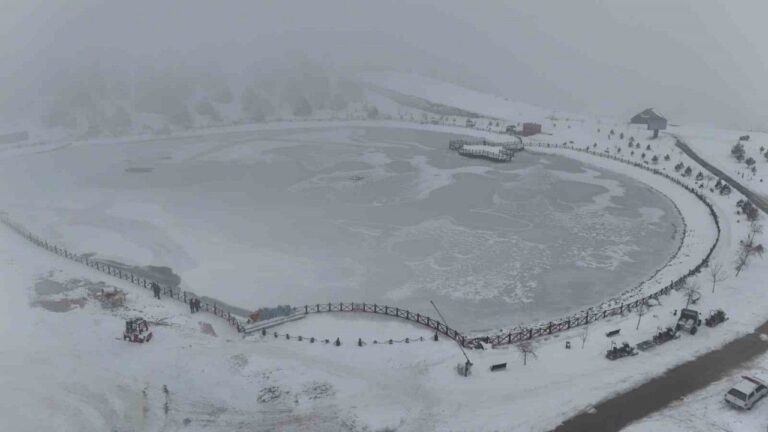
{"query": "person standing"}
{"type": "Point", "coordinates": [156, 289]}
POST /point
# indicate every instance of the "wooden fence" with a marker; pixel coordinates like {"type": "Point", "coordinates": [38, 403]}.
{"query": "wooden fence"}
{"type": "Point", "coordinates": [520, 334]}
{"type": "Point", "coordinates": [392, 311]}
{"type": "Point", "coordinates": [605, 310]}
{"type": "Point", "coordinates": [123, 274]}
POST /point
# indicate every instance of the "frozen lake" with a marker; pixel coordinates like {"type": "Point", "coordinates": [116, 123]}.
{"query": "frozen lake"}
{"type": "Point", "coordinates": [355, 214]}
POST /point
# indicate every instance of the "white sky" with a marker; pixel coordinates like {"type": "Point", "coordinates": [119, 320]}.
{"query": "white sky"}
{"type": "Point", "coordinates": [695, 60]}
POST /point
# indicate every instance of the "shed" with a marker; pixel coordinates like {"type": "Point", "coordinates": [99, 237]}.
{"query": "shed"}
{"type": "Point", "coordinates": [531, 129]}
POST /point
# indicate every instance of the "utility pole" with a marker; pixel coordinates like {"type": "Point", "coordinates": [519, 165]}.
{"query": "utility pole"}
{"type": "Point", "coordinates": [468, 363]}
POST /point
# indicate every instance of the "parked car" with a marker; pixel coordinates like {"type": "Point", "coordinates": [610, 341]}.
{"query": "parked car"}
{"type": "Point", "coordinates": [746, 392]}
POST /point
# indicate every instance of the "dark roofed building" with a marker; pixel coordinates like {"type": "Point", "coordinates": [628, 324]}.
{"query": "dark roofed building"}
{"type": "Point", "coordinates": [654, 121]}
{"type": "Point", "coordinates": [531, 129]}
{"type": "Point", "coordinates": [645, 117]}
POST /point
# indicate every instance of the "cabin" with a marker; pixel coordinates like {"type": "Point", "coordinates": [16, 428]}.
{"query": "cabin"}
{"type": "Point", "coordinates": [650, 118]}
{"type": "Point", "coordinates": [646, 117]}
{"type": "Point", "coordinates": [470, 123]}
{"type": "Point", "coordinates": [531, 129]}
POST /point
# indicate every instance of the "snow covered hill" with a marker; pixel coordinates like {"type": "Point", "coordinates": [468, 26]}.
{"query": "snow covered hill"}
{"type": "Point", "coordinates": [452, 95]}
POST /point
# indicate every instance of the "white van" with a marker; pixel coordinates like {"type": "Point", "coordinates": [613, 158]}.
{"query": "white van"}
{"type": "Point", "coordinates": [747, 392]}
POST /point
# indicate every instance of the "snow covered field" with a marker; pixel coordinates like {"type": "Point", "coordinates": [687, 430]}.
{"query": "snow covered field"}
{"type": "Point", "coordinates": [706, 410]}
{"type": "Point", "coordinates": [224, 383]}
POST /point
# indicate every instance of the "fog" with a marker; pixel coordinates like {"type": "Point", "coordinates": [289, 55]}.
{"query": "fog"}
{"type": "Point", "coordinates": [700, 61]}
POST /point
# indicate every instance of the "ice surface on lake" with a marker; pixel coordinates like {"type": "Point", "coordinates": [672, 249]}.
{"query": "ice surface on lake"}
{"type": "Point", "coordinates": [352, 214]}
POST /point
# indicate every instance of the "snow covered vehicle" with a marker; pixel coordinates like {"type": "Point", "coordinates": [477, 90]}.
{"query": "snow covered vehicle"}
{"type": "Point", "coordinates": [715, 317]}
{"type": "Point", "coordinates": [137, 330]}
{"type": "Point", "coordinates": [665, 335]}
{"type": "Point", "coordinates": [689, 321]}
{"type": "Point", "coordinates": [746, 392]}
{"type": "Point", "coordinates": [616, 352]}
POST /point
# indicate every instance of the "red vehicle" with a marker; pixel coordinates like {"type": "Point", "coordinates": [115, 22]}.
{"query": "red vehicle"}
{"type": "Point", "coordinates": [715, 317]}
{"type": "Point", "coordinates": [137, 330]}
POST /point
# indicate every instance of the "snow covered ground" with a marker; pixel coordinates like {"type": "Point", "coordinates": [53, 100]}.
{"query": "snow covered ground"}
{"type": "Point", "coordinates": [706, 410]}
{"type": "Point", "coordinates": [71, 363]}
{"type": "Point", "coordinates": [455, 96]}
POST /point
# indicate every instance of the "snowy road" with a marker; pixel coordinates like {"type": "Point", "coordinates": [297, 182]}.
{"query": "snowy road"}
{"type": "Point", "coordinates": [757, 199]}
{"type": "Point", "coordinates": [614, 414]}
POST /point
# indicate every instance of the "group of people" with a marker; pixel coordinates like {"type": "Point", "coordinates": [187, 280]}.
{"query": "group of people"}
{"type": "Point", "coordinates": [194, 305]}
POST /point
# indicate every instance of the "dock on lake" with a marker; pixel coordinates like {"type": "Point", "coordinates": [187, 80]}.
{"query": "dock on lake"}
{"type": "Point", "coordinates": [497, 152]}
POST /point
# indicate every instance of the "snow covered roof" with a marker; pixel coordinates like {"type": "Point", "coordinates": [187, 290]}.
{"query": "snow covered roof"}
{"type": "Point", "coordinates": [645, 116]}
{"type": "Point", "coordinates": [746, 386]}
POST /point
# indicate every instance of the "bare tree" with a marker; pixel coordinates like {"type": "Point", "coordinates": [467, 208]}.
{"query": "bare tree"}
{"type": "Point", "coordinates": [749, 247]}
{"type": "Point", "coordinates": [717, 273]}
{"type": "Point", "coordinates": [526, 348]}
{"type": "Point", "coordinates": [641, 310]}
{"type": "Point", "coordinates": [692, 293]}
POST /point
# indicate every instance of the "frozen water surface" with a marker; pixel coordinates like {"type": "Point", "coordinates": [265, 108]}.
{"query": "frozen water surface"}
{"type": "Point", "coordinates": [355, 214]}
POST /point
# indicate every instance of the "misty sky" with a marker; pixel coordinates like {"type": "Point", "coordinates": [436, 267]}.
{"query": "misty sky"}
{"type": "Point", "coordinates": [694, 60]}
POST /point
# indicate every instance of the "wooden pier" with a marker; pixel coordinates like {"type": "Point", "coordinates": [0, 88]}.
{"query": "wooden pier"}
{"type": "Point", "coordinates": [497, 152]}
